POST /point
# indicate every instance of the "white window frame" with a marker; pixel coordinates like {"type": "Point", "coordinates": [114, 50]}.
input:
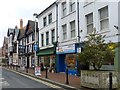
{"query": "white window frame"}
{"type": "Point", "coordinates": [64, 28]}
{"type": "Point", "coordinates": [44, 21]}
{"type": "Point", "coordinates": [53, 35]}
{"type": "Point", "coordinates": [73, 33]}
{"type": "Point", "coordinates": [89, 23]}
{"type": "Point", "coordinates": [105, 19]}
{"type": "Point", "coordinates": [72, 5]}
{"type": "Point", "coordinates": [50, 18]}
{"type": "Point", "coordinates": [64, 9]}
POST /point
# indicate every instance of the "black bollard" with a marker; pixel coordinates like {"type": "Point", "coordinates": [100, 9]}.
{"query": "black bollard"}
{"type": "Point", "coordinates": [26, 69]}
{"type": "Point", "coordinates": [46, 73]}
{"type": "Point", "coordinates": [110, 81]}
{"type": "Point", "coordinates": [67, 82]}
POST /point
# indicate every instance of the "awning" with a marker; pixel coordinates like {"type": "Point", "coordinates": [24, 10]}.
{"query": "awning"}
{"type": "Point", "coordinates": [44, 52]}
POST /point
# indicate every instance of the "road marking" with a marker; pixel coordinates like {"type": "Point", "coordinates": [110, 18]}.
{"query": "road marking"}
{"type": "Point", "coordinates": [3, 82]}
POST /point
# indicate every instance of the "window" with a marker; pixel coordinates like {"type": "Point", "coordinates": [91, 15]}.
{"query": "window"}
{"type": "Point", "coordinates": [42, 39]}
{"type": "Point", "coordinates": [53, 35]}
{"type": "Point", "coordinates": [44, 21]}
{"type": "Point", "coordinates": [47, 38]}
{"type": "Point", "coordinates": [50, 18]}
{"type": "Point", "coordinates": [64, 32]}
{"type": "Point", "coordinates": [27, 39]}
{"type": "Point", "coordinates": [104, 20]}
{"type": "Point", "coordinates": [89, 21]}
{"type": "Point", "coordinates": [33, 36]}
{"type": "Point", "coordinates": [72, 6]}
{"type": "Point", "coordinates": [72, 28]}
{"type": "Point", "coordinates": [63, 8]}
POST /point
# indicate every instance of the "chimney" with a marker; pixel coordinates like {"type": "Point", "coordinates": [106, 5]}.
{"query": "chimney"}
{"type": "Point", "coordinates": [21, 24]}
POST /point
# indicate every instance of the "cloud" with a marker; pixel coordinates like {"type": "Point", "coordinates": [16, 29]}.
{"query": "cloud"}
{"type": "Point", "coordinates": [11, 11]}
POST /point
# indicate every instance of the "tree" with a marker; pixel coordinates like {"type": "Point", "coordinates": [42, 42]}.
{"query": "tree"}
{"type": "Point", "coordinates": [95, 51]}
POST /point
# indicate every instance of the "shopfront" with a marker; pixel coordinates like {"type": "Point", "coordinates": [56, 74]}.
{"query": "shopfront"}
{"type": "Point", "coordinates": [67, 58]}
{"type": "Point", "coordinates": [47, 59]}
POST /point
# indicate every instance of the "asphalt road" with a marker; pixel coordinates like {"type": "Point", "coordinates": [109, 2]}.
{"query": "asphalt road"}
{"type": "Point", "coordinates": [12, 80]}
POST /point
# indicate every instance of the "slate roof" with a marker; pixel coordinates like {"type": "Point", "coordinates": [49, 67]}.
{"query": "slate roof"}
{"type": "Point", "coordinates": [10, 31]}
{"type": "Point", "coordinates": [21, 34]}
{"type": "Point", "coordinates": [31, 27]}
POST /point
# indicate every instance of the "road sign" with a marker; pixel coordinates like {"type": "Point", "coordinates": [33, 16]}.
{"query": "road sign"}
{"type": "Point", "coordinates": [35, 47]}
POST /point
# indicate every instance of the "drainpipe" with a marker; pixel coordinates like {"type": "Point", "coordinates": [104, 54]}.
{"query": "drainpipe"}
{"type": "Point", "coordinates": [56, 36]}
{"type": "Point", "coordinates": [78, 27]}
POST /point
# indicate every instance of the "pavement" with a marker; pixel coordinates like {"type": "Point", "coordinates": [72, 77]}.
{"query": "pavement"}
{"type": "Point", "coordinates": [58, 79]}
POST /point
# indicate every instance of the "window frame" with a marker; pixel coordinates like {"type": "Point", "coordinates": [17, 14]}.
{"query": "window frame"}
{"type": "Point", "coordinates": [50, 18]}
{"type": "Point", "coordinates": [44, 21]}
{"type": "Point", "coordinates": [64, 9]}
{"type": "Point", "coordinates": [72, 6]}
{"type": "Point", "coordinates": [47, 38]}
{"type": "Point", "coordinates": [53, 35]}
{"type": "Point", "coordinates": [103, 19]}
{"type": "Point", "coordinates": [90, 23]}
{"type": "Point", "coordinates": [64, 29]}
{"type": "Point", "coordinates": [72, 29]}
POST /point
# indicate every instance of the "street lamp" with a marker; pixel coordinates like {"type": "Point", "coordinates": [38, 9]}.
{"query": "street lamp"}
{"type": "Point", "coordinates": [35, 16]}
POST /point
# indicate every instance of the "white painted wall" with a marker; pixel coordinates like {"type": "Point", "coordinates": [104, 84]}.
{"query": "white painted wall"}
{"type": "Point", "coordinates": [93, 7]}
{"type": "Point", "coordinates": [49, 27]}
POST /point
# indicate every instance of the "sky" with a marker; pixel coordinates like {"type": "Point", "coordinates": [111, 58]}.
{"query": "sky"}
{"type": "Point", "coordinates": [11, 11]}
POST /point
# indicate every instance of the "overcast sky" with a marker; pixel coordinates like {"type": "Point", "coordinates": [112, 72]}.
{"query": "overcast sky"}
{"type": "Point", "coordinates": [11, 11]}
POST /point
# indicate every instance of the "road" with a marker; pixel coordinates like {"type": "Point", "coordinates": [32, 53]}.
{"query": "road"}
{"type": "Point", "coordinates": [12, 80]}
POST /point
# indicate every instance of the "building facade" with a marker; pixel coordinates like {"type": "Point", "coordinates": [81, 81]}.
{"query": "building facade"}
{"type": "Point", "coordinates": [47, 36]}
{"type": "Point", "coordinates": [29, 43]}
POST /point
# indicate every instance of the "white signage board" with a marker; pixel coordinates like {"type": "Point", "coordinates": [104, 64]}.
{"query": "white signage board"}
{"type": "Point", "coordinates": [37, 71]}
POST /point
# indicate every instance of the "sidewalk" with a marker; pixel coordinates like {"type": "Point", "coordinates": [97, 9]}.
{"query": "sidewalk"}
{"type": "Point", "coordinates": [74, 81]}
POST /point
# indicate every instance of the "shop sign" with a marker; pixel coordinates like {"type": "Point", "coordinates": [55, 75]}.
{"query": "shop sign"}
{"type": "Point", "coordinates": [37, 71]}
{"type": "Point", "coordinates": [66, 49]}
{"type": "Point", "coordinates": [78, 50]}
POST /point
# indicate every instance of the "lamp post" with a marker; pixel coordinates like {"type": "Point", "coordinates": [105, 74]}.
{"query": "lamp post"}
{"type": "Point", "coordinates": [35, 16]}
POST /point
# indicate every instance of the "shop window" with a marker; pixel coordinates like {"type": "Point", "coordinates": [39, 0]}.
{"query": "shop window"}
{"type": "Point", "coordinates": [71, 61]}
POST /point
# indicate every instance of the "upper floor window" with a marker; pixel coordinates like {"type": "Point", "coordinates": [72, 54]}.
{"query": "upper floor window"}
{"type": "Point", "coordinates": [53, 35]}
{"type": "Point", "coordinates": [50, 18]}
{"type": "Point", "coordinates": [27, 39]}
{"type": "Point", "coordinates": [64, 9]}
{"type": "Point", "coordinates": [33, 36]}
{"type": "Point", "coordinates": [44, 21]}
{"type": "Point", "coordinates": [47, 38]}
{"type": "Point", "coordinates": [72, 5]}
{"type": "Point", "coordinates": [64, 32]}
{"type": "Point", "coordinates": [89, 21]}
{"type": "Point", "coordinates": [104, 18]}
{"type": "Point", "coordinates": [42, 39]}
{"type": "Point", "coordinates": [72, 28]}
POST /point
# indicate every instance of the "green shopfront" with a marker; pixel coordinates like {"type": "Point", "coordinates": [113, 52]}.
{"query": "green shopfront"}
{"type": "Point", "coordinates": [47, 58]}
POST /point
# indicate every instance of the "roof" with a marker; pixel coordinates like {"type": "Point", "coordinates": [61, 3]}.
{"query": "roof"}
{"type": "Point", "coordinates": [5, 40]}
{"type": "Point", "coordinates": [47, 8]}
{"type": "Point", "coordinates": [21, 34]}
{"type": "Point", "coordinates": [31, 27]}
{"type": "Point", "coordinates": [10, 31]}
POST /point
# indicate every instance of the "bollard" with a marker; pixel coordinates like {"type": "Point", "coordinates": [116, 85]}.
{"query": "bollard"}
{"type": "Point", "coordinates": [46, 73]}
{"type": "Point", "coordinates": [67, 82]}
{"type": "Point", "coordinates": [110, 81]}
{"type": "Point", "coordinates": [26, 69]}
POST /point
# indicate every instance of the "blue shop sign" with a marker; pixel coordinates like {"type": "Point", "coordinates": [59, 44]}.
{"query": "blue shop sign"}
{"type": "Point", "coordinates": [35, 47]}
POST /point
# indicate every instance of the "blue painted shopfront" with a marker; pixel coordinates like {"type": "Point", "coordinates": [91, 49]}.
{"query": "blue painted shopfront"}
{"type": "Point", "coordinates": [62, 51]}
